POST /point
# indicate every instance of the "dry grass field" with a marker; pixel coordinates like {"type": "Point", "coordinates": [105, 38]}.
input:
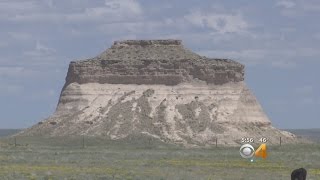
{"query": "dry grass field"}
{"type": "Point", "coordinates": [66, 158]}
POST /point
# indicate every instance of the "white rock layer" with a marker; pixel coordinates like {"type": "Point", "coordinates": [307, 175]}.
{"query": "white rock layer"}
{"type": "Point", "coordinates": [192, 114]}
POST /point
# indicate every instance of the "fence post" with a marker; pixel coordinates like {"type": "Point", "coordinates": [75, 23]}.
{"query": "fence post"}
{"type": "Point", "coordinates": [15, 141]}
{"type": "Point", "coordinates": [216, 142]}
{"type": "Point", "coordinates": [83, 141]}
{"type": "Point", "coordinates": [280, 141]}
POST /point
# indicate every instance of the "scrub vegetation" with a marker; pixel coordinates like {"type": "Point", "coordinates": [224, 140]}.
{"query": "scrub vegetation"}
{"type": "Point", "coordinates": [142, 158]}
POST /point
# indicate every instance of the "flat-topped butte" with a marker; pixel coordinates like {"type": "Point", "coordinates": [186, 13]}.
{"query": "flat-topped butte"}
{"type": "Point", "coordinates": [158, 89]}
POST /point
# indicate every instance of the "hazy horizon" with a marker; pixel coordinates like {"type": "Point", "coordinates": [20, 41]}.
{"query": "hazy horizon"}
{"type": "Point", "coordinates": [278, 42]}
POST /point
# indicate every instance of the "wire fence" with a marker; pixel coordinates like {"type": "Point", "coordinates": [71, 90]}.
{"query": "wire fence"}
{"type": "Point", "coordinates": [89, 141]}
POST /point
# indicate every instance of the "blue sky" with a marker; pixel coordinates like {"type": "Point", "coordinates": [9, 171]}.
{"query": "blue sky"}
{"type": "Point", "coordinates": [277, 40]}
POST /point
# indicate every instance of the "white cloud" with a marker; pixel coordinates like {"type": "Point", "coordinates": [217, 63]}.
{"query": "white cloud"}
{"type": "Point", "coordinates": [141, 27]}
{"type": "Point", "coordinates": [285, 4]}
{"type": "Point", "coordinates": [222, 23]}
{"type": "Point", "coordinates": [113, 11]}
{"type": "Point", "coordinates": [299, 7]}
{"type": "Point", "coordinates": [43, 48]}
{"type": "Point", "coordinates": [17, 6]}
{"type": "Point", "coordinates": [130, 6]}
{"type": "Point", "coordinates": [175, 27]}
{"type": "Point", "coordinates": [41, 58]}
{"type": "Point", "coordinates": [40, 50]}
{"type": "Point", "coordinates": [11, 8]}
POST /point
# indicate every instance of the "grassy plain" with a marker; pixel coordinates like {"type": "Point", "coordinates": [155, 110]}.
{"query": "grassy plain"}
{"type": "Point", "coordinates": [67, 158]}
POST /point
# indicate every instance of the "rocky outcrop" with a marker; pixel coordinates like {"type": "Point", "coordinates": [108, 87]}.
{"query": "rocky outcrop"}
{"type": "Point", "coordinates": [160, 89]}
{"type": "Point", "coordinates": [153, 62]}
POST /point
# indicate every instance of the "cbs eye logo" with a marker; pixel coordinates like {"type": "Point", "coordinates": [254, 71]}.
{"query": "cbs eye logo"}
{"type": "Point", "coordinates": [247, 151]}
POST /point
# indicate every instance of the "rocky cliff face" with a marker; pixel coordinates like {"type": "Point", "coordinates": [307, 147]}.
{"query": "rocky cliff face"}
{"type": "Point", "coordinates": [160, 89]}
{"type": "Point", "coordinates": [153, 62]}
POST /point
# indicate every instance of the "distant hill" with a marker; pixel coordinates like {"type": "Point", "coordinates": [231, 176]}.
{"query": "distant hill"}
{"type": "Point", "coordinates": [8, 132]}
{"type": "Point", "coordinates": [312, 134]}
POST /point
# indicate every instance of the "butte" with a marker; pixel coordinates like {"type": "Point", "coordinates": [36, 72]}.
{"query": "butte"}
{"type": "Point", "coordinates": [161, 89]}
